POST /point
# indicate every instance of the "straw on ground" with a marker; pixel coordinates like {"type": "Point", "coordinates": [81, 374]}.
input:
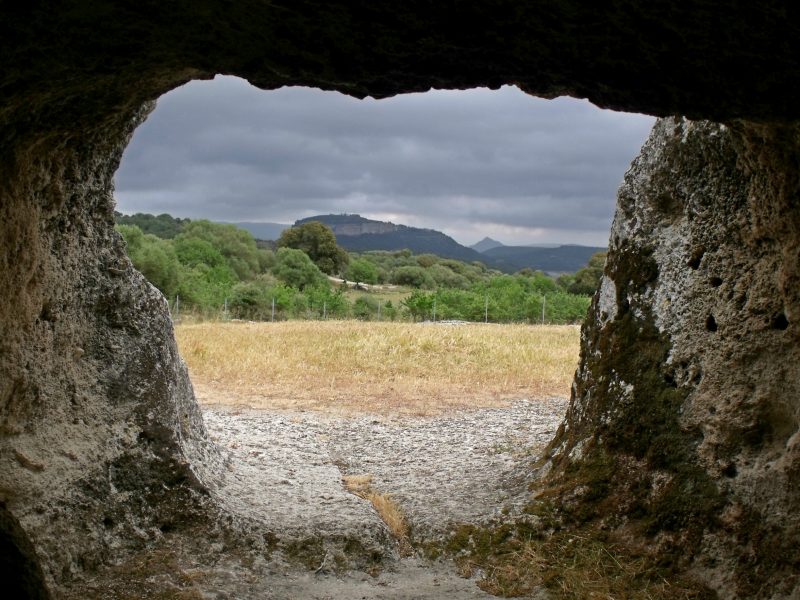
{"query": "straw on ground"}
{"type": "Point", "coordinates": [407, 368]}
{"type": "Point", "coordinates": [384, 505]}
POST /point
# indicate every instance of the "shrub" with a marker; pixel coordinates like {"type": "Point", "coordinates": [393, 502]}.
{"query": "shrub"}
{"type": "Point", "coordinates": [365, 308]}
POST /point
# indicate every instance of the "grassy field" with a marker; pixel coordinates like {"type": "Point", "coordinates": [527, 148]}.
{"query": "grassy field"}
{"type": "Point", "coordinates": [387, 368]}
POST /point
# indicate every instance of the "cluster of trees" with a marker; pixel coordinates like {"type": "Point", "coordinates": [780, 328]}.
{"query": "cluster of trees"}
{"type": "Point", "coordinates": [516, 298]}
{"type": "Point", "coordinates": [164, 226]}
{"type": "Point", "coordinates": [586, 280]}
{"type": "Point", "coordinates": [423, 271]}
{"type": "Point", "coordinates": [210, 267]}
{"type": "Point", "coordinates": [318, 242]}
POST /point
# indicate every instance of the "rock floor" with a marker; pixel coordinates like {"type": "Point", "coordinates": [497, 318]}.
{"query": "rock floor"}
{"type": "Point", "coordinates": [283, 475]}
{"type": "Point", "coordinates": [286, 471]}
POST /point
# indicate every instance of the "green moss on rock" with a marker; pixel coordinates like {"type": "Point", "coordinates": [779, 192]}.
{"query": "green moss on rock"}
{"type": "Point", "coordinates": [632, 427]}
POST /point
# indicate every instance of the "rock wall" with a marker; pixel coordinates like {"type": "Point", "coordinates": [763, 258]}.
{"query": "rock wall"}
{"type": "Point", "coordinates": [684, 415]}
{"type": "Point", "coordinates": [100, 436]}
{"type": "Point", "coordinates": [683, 428]}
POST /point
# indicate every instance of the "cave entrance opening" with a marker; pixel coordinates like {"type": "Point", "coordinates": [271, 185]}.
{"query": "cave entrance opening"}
{"type": "Point", "coordinates": [426, 169]}
{"type": "Point", "coordinates": [375, 397]}
{"type": "Point", "coordinates": [401, 179]}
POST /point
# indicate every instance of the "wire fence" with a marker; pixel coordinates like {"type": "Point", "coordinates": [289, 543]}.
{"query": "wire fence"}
{"type": "Point", "coordinates": [543, 313]}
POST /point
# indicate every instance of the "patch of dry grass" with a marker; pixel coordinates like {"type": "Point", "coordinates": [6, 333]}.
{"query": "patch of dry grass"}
{"type": "Point", "coordinates": [418, 369]}
{"type": "Point", "coordinates": [387, 509]}
{"type": "Point", "coordinates": [359, 485]}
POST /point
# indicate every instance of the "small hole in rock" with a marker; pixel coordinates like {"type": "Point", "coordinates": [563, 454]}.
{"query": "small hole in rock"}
{"type": "Point", "coordinates": [697, 256]}
{"type": "Point", "coordinates": [46, 313]}
{"type": "Point", "coordinates": [711, 323]}
{"type": "Point", "coordinates": [730, 470]}
{"type": "Point", "coordinates": [715, 281]}
{"type": "Point", "coordinates": [780, 322]}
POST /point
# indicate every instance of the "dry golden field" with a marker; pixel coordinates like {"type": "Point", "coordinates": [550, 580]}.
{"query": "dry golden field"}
{"type": "Point", "coordinates": [351, 366]}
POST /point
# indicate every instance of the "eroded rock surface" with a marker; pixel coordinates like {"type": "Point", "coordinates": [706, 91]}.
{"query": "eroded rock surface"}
{"type": "Point", "coordinates": [688, 381]}
{"type": "Point", "coordinates": [284, 474]}
{"type": "Point", "coordinates": [684, 418]}
{"type": "Point", "coordinates": [102, 442]}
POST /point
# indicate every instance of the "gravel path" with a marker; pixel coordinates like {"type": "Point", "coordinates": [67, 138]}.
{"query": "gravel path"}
{"type": "Point", "coordinates": [285, 471]}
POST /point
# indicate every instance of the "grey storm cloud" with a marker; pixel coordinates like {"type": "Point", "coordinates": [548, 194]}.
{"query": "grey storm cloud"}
{"type": "Point", "coordinates": [471, 163]}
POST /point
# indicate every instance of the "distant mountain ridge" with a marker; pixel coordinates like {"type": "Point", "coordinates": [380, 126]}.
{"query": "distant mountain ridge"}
{"type": "Point", "coordinates": [358, 234]}
{"type": "Point", "coordinates": [345, 224]}
{"type": "Point", "coordinates": [561, 259]}
{"type": "Point", "coordinates": [485, 244]}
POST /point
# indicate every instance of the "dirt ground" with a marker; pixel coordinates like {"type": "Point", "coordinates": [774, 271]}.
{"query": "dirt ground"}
{"type": "Point", "coordinates": [285, 471]}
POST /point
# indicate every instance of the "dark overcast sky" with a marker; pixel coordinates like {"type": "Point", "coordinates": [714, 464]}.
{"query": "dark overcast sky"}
{"type": "Point", "coordinates": [470, 163]}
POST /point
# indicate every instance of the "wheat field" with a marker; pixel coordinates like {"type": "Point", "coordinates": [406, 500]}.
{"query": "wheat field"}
{"type": "Point", "coordinates": [369, 367]}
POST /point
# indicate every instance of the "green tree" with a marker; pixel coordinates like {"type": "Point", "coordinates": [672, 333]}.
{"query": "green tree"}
{"type": "Point", "coordinates": [389, 311]}
{"type": "Point", "coordinates": [565, 280]}
{"type": "Point", "coordinates": [251, 299]}
{"type": "Point", "coordinates": [362, 271]}
{"type": "Point", "coordinates": [447, 278]}
{"type": "Point", "coordinates": [427, 260]}
{"type": "Point", "coordinates": [295, 268]}
{"type": "Point", "coordinates": [153, 257]}
{"type": "Point", "coordinates": [587, 279]}
{"type": "Point", "coordinates": [289, 302]}
{"type": "Point", "coordinates": [419, 304]}
{"type": "Point", "coordinates": [192, 251]}
{"type": "Point", "coordinates": [157, 262]}
{"type": "Point", "coordinates": [365, 308]}
{"type": "Point", "coordinates": [413, 277]}
{"type": "Point", "coordinates": [536, 282]}
{"type": "Point", "coordinates": [133, 236]}
{"type": "Point", "coordinates": [266, 259]}
{"type": "Point", "coordinates": [236, 245]}
{"type": "Point", "coordinates": [206, 288]}
{"type": "Point", "coordinates": [319, 243]}
{"type": "Point", "coordinates": [323, 301]}
{"type": "Point", "coordinates": [164, 226]}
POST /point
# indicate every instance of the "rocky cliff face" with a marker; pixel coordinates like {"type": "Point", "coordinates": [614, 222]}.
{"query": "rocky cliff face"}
{"type": "Point", "coordinates": [683, 424]}
{"type": "Point", "coordinates": [352, 224]}
{"type": "Point", "coordinates": [362, 228]}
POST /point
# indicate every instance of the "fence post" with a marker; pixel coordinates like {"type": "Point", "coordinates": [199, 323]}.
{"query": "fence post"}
{"type": "Point", "coordinates": [324, 310]}
{"type": "Point", "coordinates": [379, 310]}
{"type": "Point", "coordinates": [177, 307]}
{"type": "Point", "coordinates": [434, 310]}
{"type": "Point", "coordinates": [225, 310]}
{"type": "Point", "coordinates": [273, 310]}
{"type": "Point", "coordinates": [544, 302]}
{"type": "Point", "coordinates": [486, 309]}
